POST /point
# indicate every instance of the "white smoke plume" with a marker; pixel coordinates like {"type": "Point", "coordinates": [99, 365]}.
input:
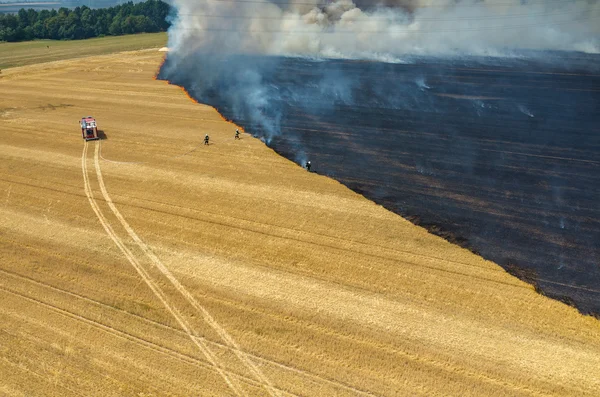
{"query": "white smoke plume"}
{"type": "Point", "coordinates": [227, 52]}
{"type": "Point", "coordinates": [386, 29]}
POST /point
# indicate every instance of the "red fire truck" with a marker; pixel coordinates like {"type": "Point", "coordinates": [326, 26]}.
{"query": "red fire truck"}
{"type": "Point", "coordinates": [89, 129]}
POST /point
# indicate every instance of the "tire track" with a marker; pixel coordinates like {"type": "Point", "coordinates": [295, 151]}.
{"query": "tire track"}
{"type": "Point", "coordinates": [201, 344]}
{"type": "Point", "coordinates": [300, 372]}
{"type": "Point", "coordinates": [241, 355]}
{"type": "Point", "coordinates": [134, 339]}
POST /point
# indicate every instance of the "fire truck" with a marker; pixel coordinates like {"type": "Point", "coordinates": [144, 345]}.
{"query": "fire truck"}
{"type": "Point", "coordinates": [89, 129]}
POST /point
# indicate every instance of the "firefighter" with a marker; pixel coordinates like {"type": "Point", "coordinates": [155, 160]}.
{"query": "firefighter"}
{"type": "Point", "coordinates": [308, 166]}
{"type": "Point", "coordinates": [206, 139]}
{"type": "Point", "coordinates": [237, 134]}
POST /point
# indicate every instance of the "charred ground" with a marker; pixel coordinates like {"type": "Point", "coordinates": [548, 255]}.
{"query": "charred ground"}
{"type": "Point", "coordinates": [499, 155]}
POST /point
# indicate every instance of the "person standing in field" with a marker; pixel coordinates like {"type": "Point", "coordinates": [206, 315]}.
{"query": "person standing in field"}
{"type": "Point", "coordinates": [206, 139]}
{"type": "Point", "coordinates": [237, 134]}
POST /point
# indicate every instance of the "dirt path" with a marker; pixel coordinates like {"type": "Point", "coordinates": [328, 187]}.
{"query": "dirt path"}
{"type": "Point", "coordinates": [149, 264]}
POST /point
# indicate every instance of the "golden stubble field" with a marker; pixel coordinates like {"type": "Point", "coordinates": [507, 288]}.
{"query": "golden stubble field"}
{"type": "Point", "coordinates": [148, 264]}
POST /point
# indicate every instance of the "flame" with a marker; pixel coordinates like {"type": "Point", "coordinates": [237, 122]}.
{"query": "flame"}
{"type": "Point", "coordinates": [187, 94]}
{"type": "Point", "coordinates": [160, 67]}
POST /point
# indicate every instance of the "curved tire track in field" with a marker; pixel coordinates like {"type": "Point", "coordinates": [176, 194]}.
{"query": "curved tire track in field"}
{"type": "Point", "coordinates": [300, 372]}
{"type": "Point", "coordinates": [241, 355]}
{"type": "Point", "coordinates": [132, 338]}
{"type": "Point", "coordinates": [146, 277]}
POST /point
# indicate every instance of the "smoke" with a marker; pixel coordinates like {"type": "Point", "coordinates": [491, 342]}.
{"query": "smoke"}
{"type": "Point", "coordinates": [384, 30]}
{"type": "Point", "coordinates": [525, 111]}
{"type": "Point", "coordinates": [420, 82]}
{"type": "Point", "coordinates": [226, 52]}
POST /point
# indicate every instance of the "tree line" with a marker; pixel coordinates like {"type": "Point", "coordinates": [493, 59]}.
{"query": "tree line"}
{"type": "Point", "coordinates": [84, 22]}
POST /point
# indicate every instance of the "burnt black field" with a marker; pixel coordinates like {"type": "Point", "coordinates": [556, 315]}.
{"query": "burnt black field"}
{"type": "Point", "coordinates": [499, 155]}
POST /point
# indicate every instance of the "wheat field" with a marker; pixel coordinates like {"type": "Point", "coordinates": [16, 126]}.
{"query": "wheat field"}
{"type": "Point", "coordinates": [149, 264]}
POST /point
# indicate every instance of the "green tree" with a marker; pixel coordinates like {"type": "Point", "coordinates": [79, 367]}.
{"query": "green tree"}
{"type": "Point", "coordinates": [32, 16]}
{"type": "Point", "coordinates": [115, 26]}
{"type": "Point", "coordinates": [7, 34]}
{"type": "Point", "coordinates": [128, 25]}
{"type": "Point", "coordinates": [71, 28]}
{"type": "Point", "coordinates": [27, 33]}
{"type": "Point", "coordinates": [22, 18]}
{"type": "Point", "coordinates": [43, 15]}
{"type": "Point", "coordinates": [144, 24]}
{"type": "Point", "coordinates": [88, 21]}
{"type": "Point", "coordinates": [39, 30]}
{"type": "Point", "coordinates": [103, 23]}
{"type": "Point", "coordinates": [52, 27]}
{"type": "Point", "coordinates": [10, 21]}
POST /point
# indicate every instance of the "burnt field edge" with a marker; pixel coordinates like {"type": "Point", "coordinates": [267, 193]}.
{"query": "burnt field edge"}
{"type": "Point", "coordinates": [511, 266]}
{"type": "Point", "coordinates": [432, 222]}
